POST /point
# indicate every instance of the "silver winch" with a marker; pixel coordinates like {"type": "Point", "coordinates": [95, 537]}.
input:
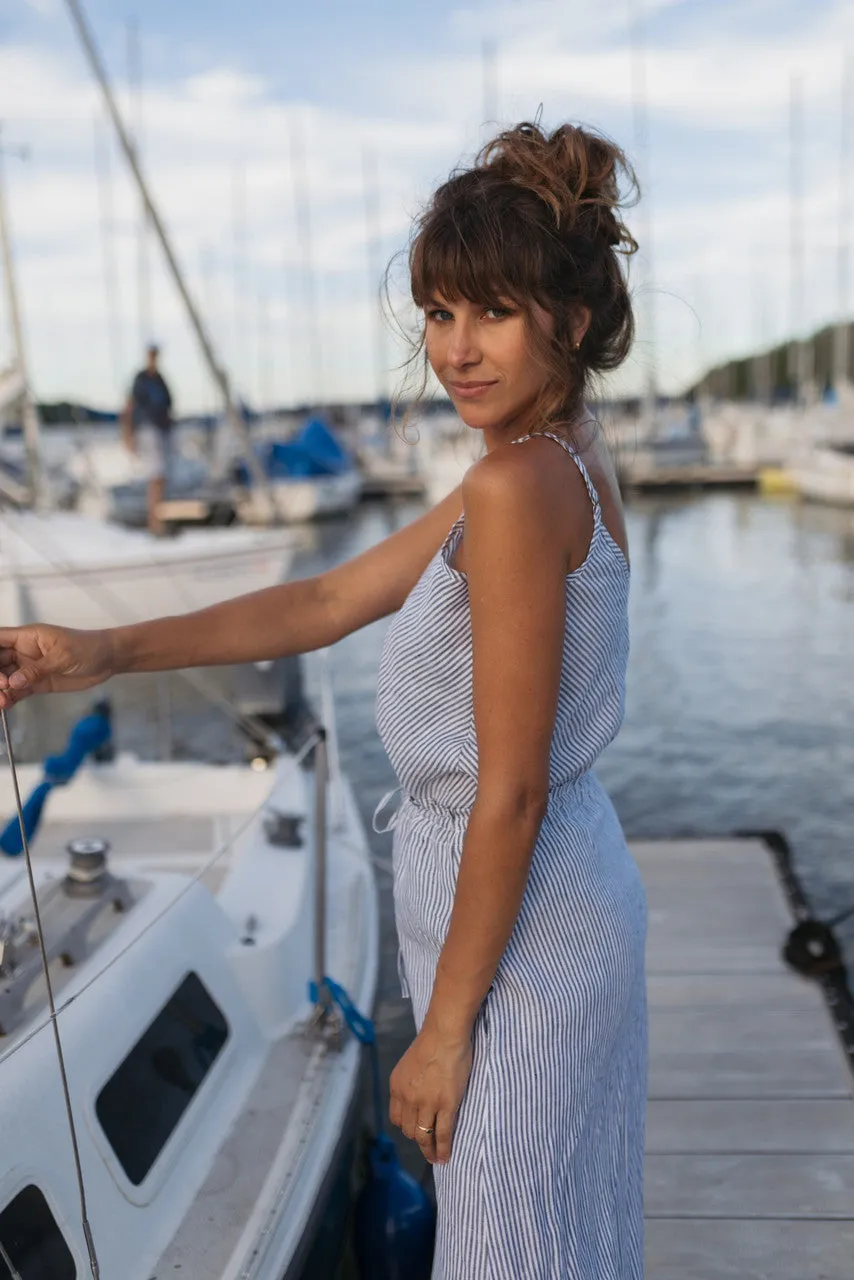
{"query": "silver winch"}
{"type": "Point", "coordinates": [87, 875]}
{"type": "Point", "coordinates": [77, 912]}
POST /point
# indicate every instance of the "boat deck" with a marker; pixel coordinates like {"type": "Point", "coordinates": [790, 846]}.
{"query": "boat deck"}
{"type": "Point", "coordinates": [750, 1136]}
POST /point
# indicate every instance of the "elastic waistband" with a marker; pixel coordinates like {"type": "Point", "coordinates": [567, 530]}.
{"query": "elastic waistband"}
{"type": "Point", "coordinates": [430, 805]}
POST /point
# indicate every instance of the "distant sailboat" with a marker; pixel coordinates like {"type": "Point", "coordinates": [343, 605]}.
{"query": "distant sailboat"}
{"type": "Point", "coordinates": [79, 571]}
{"type": "Point", "coordinates": [821, 465]}
{"type": "Point", "coordinates": [310, 475]}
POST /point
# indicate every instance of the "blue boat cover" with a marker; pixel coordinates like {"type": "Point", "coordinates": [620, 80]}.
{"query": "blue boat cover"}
{"type": "Point", "coordinates": [314, 451]}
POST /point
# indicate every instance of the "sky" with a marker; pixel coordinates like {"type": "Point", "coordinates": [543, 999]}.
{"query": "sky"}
{"type": "Point", "coordinates": [288, 147]}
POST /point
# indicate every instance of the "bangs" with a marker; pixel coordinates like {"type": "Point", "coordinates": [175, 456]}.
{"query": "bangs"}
{"type": "Point", "coordinates": [467, 253]}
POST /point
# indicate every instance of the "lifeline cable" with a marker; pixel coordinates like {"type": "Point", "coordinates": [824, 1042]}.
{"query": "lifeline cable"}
{"type": "Point", "coordinates": [14, 1273]}
{"type": "Point", "coordinates": [87, 1230]}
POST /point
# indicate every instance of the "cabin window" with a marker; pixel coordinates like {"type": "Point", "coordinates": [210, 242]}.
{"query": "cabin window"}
{"type": "Point", "coordinates": [140, 1105]}
{"type": "Point", "coordinates": [31, 1244]}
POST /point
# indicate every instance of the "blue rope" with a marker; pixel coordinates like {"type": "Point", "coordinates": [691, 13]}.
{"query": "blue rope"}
{"type": "Point", "coordinates": [87, 736]}
{"type": "Point", "coordinates": [364, 1031]}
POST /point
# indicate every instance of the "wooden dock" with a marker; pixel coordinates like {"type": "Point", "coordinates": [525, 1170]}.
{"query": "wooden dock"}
{"type": "Point", "coordinates": [750, 1133]}
{"type": "Point", "coordinates": [694, 476]}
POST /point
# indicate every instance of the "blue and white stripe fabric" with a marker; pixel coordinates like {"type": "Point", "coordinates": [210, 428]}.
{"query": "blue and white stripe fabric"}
{"type": "Point", "coordinates": [545, 1176]}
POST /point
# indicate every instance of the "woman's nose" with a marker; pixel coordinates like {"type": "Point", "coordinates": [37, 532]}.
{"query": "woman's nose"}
{"type": "Point", "coordinates": [463, 348]}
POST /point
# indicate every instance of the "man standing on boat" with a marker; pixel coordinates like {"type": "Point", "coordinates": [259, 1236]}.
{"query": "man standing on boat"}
{"type": "Point", "coordinates": [147, 431]}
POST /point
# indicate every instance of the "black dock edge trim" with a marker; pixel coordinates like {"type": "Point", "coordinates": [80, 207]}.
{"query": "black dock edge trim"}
{"type": "Point", "coordinates": [835, 986]}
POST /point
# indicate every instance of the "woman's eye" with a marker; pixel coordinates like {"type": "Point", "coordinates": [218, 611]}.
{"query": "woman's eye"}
{"type": "Point", "coordinates": [439, 314]}
{"type": "Point", "coordinates": [498, 313]}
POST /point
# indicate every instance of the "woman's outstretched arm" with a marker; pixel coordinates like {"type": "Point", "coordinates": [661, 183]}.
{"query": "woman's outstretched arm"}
{"type": "Point", "coordinates": [294, 617]}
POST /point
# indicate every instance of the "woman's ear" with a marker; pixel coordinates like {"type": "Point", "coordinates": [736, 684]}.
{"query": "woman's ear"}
{"type": "Point", "coordinates": [579, 324]}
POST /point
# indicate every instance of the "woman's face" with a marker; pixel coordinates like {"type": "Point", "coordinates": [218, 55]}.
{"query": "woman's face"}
{"type": "Point", "coordinates": [482, 357]}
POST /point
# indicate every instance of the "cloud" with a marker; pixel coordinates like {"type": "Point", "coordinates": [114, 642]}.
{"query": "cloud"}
{"type": "Point", "coordinates": [240, 141]}
{"type": "Point", "coordinates": [218, 149]}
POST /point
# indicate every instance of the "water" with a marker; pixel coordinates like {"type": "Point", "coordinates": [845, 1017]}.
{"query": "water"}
{"type": "Point", "coordinates": [740, 699]}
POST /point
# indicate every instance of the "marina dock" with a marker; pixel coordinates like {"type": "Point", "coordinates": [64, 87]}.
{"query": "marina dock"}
{"type": "Point", "coordinates": [696, 476]}
{"type": "Point", "coordinates": [750, 1132]}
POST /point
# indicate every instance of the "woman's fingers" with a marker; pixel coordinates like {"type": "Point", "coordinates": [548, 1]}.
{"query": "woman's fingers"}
{"type": "Point", "coordinates": [408, 1121]}
{"type": "Point", "coordinates": [444, 1123]}
{"type": "Point", "coordinates": [9, 699]}
{"type": "Point", "coordinates": [395, 1108]}
{"type": "Point", "coordinates": [426, 1141]}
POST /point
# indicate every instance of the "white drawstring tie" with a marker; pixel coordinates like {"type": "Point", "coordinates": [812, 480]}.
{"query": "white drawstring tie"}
{"type": "Point", "coordinates": [392, 821]}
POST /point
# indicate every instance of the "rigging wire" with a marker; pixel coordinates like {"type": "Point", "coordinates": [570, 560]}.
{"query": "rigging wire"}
{"type": "Point", "coordinates": [60, 1057]}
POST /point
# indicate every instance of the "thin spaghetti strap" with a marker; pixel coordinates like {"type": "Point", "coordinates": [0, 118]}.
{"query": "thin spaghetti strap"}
{"type": "Point", "coordinates": [585, 475]}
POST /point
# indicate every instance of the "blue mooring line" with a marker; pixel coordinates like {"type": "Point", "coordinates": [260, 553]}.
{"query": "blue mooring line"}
{"type": "Point", "coordinates": [363, 1029]}
{"type": "Point", "coordinates": [90, 734]}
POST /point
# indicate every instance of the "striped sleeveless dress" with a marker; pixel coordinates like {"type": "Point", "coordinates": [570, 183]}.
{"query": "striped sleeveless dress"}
{"type": "Point", "coordinates": [545, 1176]}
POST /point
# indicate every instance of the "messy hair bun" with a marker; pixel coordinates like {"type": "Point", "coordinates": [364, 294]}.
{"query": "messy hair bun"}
{"type": "Point", "coordinates": [537, 220]}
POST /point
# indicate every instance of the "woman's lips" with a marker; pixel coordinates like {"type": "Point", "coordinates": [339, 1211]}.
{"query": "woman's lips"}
{"type": "Point", "coordinates": [468, 390]}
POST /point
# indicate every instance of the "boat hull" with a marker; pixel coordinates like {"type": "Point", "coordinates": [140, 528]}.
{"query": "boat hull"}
{"type": "Point", "coordinates": [48, 571]}
{"type": "Point", "coordinates": [300, 500]}
{"type": "Point", "coordinates": [324, 1245]}
{"type": "Point", "coordinates": [825, 475]}
{"type": "Point", "coordinates": [254, 1181]}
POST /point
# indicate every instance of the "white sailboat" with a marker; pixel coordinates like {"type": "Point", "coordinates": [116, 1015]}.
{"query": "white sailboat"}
{"type": "Point", "coordinates": [449, 449]}
{"type": "Point", "coordinates": [80, 572]}
{"type": "Point", "coordinates": [821, 466]}
{"type": "Point", "coordinates": [184, 908]}
{"type": "Point", "coordinates": [825, 474]}
{"type": "Point", "coordinates": [297, 500]}
{"type": "Point", "coordinates": [310, 474]}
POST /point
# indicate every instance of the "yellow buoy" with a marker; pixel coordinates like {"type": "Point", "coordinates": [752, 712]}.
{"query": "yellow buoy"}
{"type": "Point", "coordinates": [776, 481]}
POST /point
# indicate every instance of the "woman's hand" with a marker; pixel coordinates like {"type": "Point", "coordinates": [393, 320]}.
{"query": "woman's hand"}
{"type": "Point", "coordinates": [45, 659]}
{"type": "Point", "coordinates": [427, 1087]}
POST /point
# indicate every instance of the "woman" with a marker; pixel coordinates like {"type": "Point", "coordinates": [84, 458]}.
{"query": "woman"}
{"type": "Point", "coordinates": [520, 913]}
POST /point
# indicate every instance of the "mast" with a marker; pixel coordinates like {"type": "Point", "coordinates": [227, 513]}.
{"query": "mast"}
{"type": "Point", "coordinates": [489, 75]}
{"type": "Point", "coordinates": [217, 371]}
{"type": "Point", "coordinates": [32, 423]}
{"type": "Point", "coordinates": [238, 250]}
{"type": "Point", "coordinates": [640, 115]}
{"type": "Point", "coordinates": [373, 239]}
{"type": "Point", "coordinates": [263, 352]}
{"type": "Point", "coordinates": [111, 276]}
{"type": "Point", "coordinates": [841, 333]}
{"type": "Point", "coordinates": [143, 273]}
{"type": "Point", "coordinates": [302, 210]}
{"type": "Point", "coordinates": [760, 365]}
{"type": "Point", "coordinates": [798, 356]}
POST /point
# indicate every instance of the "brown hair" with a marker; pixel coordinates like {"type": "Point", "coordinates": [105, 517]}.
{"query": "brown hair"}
{"type": "Point", "coordinates": [535, 221]}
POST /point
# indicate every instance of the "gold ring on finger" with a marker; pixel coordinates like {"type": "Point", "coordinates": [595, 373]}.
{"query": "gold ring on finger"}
{"type": "Point", "coordinates": [424, 1128]}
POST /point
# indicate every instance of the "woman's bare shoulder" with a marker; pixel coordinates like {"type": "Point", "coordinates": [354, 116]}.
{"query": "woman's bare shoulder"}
{"type": "Point", "coordinates": [528, 480]}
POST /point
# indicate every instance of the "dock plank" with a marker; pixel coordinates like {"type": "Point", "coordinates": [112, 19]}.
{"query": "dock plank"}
{"type": "Point", "coordinates": [750, 1134]}
{"type": "Point", "coordinates": [788, 1126]}
{"type": "Point", "coordinates": [809, 1185]}
{"type": "Point", "coordinates": [757, 1249]}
